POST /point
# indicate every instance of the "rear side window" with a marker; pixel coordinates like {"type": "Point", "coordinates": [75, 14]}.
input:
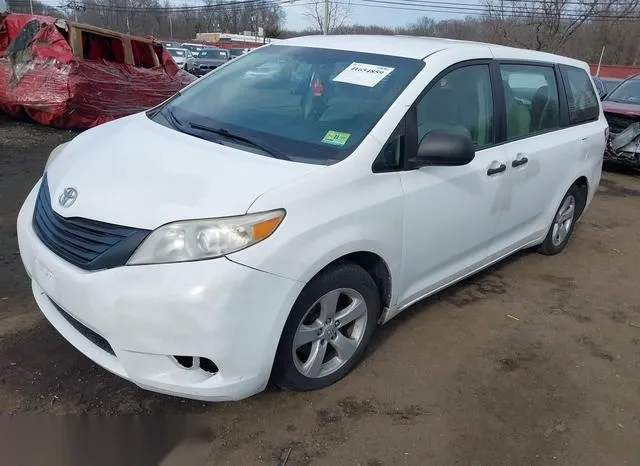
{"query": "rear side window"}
{"type": "Point", "coordinates": [531, 98]}
{"type": "Point", "coordinates": [582, 99]}
{"type": "Point", "coordinates": [142, 54]}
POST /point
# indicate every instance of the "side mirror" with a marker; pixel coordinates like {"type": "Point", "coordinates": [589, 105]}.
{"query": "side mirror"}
{"type": "Point", "coordinates": [444, 148]}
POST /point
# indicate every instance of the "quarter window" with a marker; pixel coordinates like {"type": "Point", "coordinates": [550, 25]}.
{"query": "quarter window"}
{"type": "Point", "coordinates": [531, 98]}
{"type": "Point", "coordinates": [583, 102]}
{"type": "Point", "coordinates": [459, 102]}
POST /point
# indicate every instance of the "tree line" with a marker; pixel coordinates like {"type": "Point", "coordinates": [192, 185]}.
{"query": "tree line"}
{"type": "Point", "coordinates": [576, 28]}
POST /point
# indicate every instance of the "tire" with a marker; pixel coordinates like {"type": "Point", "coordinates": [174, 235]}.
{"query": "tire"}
{"type": "Point", "coordinates": [350, 290]}
{"type": "Point", "coordinates": [560, 230]}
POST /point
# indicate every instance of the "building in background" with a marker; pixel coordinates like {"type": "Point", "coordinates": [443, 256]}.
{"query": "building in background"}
{"type": "Point", "coordinates": [246, 40]}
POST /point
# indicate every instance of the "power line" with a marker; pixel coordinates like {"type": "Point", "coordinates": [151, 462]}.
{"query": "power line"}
{"type": "Point", "coordinates": [425, 6]}
{"type": "Point", "coordinates": [448, 7]}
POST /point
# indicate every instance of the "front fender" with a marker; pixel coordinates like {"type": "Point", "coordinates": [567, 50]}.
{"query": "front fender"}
{"type": "Point", "coordinates": [328, 222]}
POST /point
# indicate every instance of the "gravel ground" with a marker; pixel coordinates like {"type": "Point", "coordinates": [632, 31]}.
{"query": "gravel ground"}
{"type": "Point", "coordinates": [532, 362]}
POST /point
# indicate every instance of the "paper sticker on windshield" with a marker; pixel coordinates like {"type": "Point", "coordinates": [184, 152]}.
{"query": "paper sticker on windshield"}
{"type": "Point", "coordinates": [335, 138]}
{"type": "Point", "coordinates": [363, 74]}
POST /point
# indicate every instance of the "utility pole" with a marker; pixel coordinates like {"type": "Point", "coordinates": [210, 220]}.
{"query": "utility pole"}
{"type": "Point", "coordinates": [170, 26]}
{"type": "Point", "coordinates": [31, 5]}
{"type": "Point", "coordinates": [326, 18]}
{"type": "Point", "coordinates": [600, 61]}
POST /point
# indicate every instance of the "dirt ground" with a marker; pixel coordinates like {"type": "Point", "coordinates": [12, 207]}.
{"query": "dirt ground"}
{"type": "Point", "coordinates": [533, 362]}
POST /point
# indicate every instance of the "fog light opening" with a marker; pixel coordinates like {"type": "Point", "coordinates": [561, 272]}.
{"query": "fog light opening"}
{"type": "Point", "coordinates": [208, 365]}
{"type": "Point", "coordinates": [185, 361]}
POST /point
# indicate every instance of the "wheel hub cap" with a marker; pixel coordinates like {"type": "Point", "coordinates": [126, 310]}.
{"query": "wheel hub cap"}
{"type": "Point", "coordinates": [330, 333]}
{"type": "Point", "coordinates": [563, 221]}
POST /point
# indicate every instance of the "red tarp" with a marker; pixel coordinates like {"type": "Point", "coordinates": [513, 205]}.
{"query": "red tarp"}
{"type": "Point", "coordinates": [43, 80]}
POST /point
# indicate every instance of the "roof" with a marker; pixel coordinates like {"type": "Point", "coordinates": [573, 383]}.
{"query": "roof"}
{"type": "Point", "coordinates": [417, 47]}
{"type": "Point", "coordinates": [399, 46]}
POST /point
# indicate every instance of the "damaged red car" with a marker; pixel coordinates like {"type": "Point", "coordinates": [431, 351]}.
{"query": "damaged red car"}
{"type": "Point", "coordinates": [70, 75]}
{"type": "Point", "coordinates": [622, 111]}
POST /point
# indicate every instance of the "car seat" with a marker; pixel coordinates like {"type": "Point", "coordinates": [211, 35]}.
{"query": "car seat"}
{"type": "Point", "coordinates": [518, 116]}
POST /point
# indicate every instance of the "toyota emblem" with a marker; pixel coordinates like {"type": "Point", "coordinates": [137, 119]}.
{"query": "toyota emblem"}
{"type": "Point", "coordinates": [68, 197]}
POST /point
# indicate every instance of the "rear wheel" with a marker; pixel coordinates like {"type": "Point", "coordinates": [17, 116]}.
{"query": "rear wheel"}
{"type": "Point", "coordinates": [563, 222]}
{"type": "Point", "coordinates": [330, 326]}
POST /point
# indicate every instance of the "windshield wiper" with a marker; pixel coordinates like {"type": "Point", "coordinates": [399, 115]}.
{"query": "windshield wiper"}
{"type": "Point", "coordinates": [172, 118]}
{"type": "Point", "coordinates": [229, 135]}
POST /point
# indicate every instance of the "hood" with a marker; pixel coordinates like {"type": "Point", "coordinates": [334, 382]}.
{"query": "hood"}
{"type": "Point", "coordinates": [138, 173]}
{"type": "Point", "coordinates": [631, 110]}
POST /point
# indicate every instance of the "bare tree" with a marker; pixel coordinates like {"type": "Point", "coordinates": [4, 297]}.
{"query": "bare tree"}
{"type": "Point", "coordinates": [39, 8]}
{"type": "Point", "coordinates": [338, 14]}
{"type": "Point", "coordinates": [549, 24]}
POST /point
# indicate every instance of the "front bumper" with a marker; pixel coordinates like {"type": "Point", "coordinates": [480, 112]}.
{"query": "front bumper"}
{"type": "Point", "coordinates": [196, 70]}
{"type": "Point", "coordinates": [215, 309]}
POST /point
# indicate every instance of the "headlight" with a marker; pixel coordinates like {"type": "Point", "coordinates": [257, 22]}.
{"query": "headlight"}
{"type": "Point", "coordinates": [193, 240]}
{"type": "Point", "coordinates": [54, 153]}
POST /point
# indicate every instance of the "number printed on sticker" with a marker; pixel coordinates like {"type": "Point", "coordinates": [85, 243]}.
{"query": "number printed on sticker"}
{"type": "Point", "coordinates": [363, 74]}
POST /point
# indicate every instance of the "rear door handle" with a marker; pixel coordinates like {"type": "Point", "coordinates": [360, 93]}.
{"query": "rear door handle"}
{"type": "Point", "coordinates": [493, 171]}
{"type": "Point", "coordinates": [519, 162]}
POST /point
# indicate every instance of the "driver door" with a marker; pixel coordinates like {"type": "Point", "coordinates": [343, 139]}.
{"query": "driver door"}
{"type": "Point", "coordinates": [451, 212]}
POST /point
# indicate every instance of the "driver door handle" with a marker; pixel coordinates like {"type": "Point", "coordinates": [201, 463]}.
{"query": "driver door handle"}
{"type": "Point", "coordinates": [496, 170]}
{"type": "Point", "coordinates": [520, 161]}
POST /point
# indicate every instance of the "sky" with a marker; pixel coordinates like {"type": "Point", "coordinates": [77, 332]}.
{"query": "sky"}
{"type": "Point", "coordinates": [370, 15]}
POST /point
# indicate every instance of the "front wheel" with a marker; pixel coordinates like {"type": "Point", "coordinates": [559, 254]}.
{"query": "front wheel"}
{"type": "Point", "coordinates": [563, 223]}
{"type": "Point", "coordinates": [330, 326]}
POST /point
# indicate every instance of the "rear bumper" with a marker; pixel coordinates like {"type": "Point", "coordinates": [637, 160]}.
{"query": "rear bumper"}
{"type": "Point", "coordinates": [215, 309]}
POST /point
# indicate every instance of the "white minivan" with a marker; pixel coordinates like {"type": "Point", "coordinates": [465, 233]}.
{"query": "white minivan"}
{"type": "Point", "coordinates": [249, 230]}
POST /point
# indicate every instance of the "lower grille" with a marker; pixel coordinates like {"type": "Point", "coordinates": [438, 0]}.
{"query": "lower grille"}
{"type": "Point", "coordinates": [85, 331]}
{"type": "Point", "coordinates": [618, 123]}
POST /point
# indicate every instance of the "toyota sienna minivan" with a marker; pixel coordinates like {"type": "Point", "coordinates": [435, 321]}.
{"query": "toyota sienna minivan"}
{"type": "Point", "coordinates": [249, 230]}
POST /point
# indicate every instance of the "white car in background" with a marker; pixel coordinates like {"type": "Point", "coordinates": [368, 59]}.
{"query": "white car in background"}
{"type": "Point", "coordinates": [180, 56]}
{"type": "Point", "coordinates": [238, 233]}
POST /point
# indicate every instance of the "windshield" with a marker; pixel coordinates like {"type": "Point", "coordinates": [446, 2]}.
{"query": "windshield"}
{"type": "Point", "coordinates": [308, 104]}
{"type": "Point", "coordinates": [213, 54]}
{"type": "Point", "coordinates": [177, 53]}
{"type": "Point", "coordinates": [628, 92]}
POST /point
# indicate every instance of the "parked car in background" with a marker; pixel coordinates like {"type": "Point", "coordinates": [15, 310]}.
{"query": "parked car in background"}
{"type": "Point", "coordinates": [237, 234]}
{"type": "Point", "coordinates": [269, 71]}
{"type": "Point", "coordinates": [622, 111]}
{"type": "Point", "coordinates": [235, 53]}
{"type": "Point", "coordinates": [180, 56]}
{"type": "Point", "coordinates": [611, 83]}
{"type": "Point", "coordinates": [600, 86]}
{"type": "Point", "coordinates": [193, 48]}
{"type": "Point", "coordinates": [206, 60]}
{"type": "Point", "coordinates": [605, 85]}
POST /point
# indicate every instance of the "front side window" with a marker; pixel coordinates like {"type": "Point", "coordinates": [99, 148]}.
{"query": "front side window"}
{"type": "Point", "coordinates": [300, 103]}
{"type": "Point", "coordinates": [460, 102]}
{"type": "Point", "coordinates": [627, 93]}
{"type": "Point", "coordinates": [582, 100]}
{"type": "Point", "coordinates": [531, 98]}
